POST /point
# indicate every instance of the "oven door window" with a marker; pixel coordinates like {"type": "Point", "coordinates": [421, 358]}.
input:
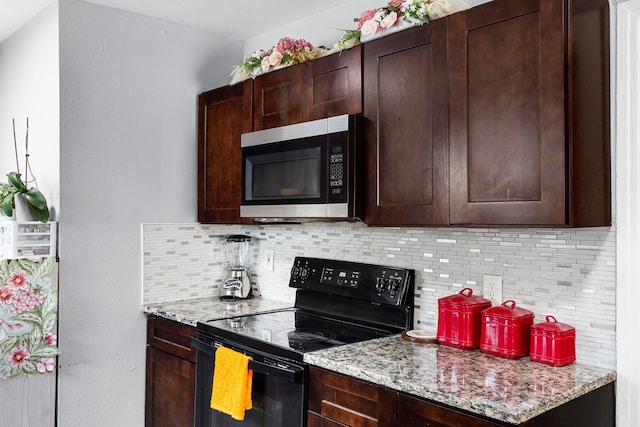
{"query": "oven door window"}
{"type": "Point", "coordinates": [285, 172]}
{"type": "Point", "coordinates": [276, 403]}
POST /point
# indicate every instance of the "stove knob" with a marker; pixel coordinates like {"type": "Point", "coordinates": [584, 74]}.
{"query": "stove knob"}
{"type": "Point", "coordinates": [394, 285]}
{"type": "Point", "coordinates": [381, 284]}
{"type": "Point", "coordinates": [304, 272]}
{"type": "Point", "coordinates": [295, 272]}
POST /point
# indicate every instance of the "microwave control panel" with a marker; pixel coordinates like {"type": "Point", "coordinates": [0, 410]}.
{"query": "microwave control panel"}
{"type": "Point", "coordinates": [336, 171]}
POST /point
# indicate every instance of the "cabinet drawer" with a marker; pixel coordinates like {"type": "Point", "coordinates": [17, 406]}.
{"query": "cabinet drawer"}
{"type": "Point", "coordinates": [415, 412]}
{"type": "Point", "coordinates": [172, 337]}
{"type": "Point", "coordinates": [350, 401]}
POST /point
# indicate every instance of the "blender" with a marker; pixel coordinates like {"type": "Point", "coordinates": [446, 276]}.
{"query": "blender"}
{"type": "Point", "coordinates": [237, 283]}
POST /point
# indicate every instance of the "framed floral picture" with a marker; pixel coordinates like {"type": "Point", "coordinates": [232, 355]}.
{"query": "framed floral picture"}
{"type": "Point", "coordinates": [28, 317]}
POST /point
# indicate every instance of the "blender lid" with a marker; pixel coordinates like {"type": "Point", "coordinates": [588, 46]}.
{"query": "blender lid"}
{"type": "Point", "coordinates": [237, 238]}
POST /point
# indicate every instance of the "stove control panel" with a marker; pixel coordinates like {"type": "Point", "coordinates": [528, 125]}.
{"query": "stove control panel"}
{"type": "Point", "coordinates": [375, 283]}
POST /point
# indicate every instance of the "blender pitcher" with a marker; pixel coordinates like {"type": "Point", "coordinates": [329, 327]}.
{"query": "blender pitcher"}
{"type": "Point", "coordinates": [237, 283]}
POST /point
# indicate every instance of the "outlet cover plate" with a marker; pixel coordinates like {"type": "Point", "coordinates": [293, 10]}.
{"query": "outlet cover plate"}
{"type": "Point", "coordinates": [492, 288]}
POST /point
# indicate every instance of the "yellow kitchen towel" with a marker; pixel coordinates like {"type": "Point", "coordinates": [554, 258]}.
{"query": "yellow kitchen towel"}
{"type": "Point", "coordinates": [232, 381]}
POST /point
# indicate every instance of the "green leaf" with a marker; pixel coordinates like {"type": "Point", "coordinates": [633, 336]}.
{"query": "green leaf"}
{"type": "Point", "coordinates": [36, 198]}
{"type": "Point", "coordinates": [41, 215]}
{"type": "Point", "coordinates": [7, 205]}
{"type": "Point", "coordinates": [16, 181]}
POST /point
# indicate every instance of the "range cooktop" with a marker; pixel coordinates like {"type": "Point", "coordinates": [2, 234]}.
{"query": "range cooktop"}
{"type": "Point", "coordinates": [337, 302]}
{"type": "Point", "coordinates": [295, 329]}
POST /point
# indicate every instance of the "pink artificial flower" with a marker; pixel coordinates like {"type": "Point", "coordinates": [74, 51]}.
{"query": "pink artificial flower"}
{"type": "Point", "coordinates": [18, 280]}
{"type": "Point", "coordinates": [367, 15]}
{"type": "Point", "coordinates": [45, 365]}
{"type": "Point", "coordinates": [6, 295]}
{"type": "Point", "coordinates": [389, 20]}
{"type": "Point", "coordinates": [302, 44]}
{"type": "Point", "coordinates": [265, 63]}
{"type": "Point", "coordinates": [369, 28]}
{"type": "Point", "coordinates": [285, 44]}
{"type": "Point", "coordinates": [50, 338]}
{"type": "Point", "coordinates": [396, 3]}
{"type": "Point", "coordinates": [275, 58]}
{"type": "Point", "coordinates": [19, 356]}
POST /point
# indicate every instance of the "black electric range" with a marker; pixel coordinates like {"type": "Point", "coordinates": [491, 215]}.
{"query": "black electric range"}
{"type": "Point", "coordinates": [337, 303]}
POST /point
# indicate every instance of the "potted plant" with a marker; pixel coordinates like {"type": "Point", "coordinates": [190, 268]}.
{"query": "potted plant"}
{"type": "Point", "coordinates": [16, 189]}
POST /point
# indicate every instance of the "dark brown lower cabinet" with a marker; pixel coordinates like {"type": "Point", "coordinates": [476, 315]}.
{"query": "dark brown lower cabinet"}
{"type": "Point", "coordinates": [413, 412]}
{"type": "Point", "coordinates": [336, 400]}
{"type": "Point", "coordinates": [171, 374]}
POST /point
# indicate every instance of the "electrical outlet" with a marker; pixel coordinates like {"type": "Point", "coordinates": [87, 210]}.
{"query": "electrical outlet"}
{"type": "Point", "coordinates": [268, 259]}
{"type": "Point", "coordinates": [492, 288]}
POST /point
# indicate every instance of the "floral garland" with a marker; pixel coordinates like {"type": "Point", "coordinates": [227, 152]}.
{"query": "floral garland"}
{"type": "Point", "coordinates": [28, 315]}
{"type": "Point", "coordinates": [286, 52]}
{"type": "Point", "coordinates": [413, 12]}
{"type": "Point", "coordinates": [290, 51]}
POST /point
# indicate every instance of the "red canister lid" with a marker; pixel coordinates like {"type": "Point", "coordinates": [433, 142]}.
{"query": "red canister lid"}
{"type": "Point", "coordinates": [552, 324]}
{"type": "Point", "coordinates": [508, 310]}
{"type": "Point", "coordinates": [464, 298]}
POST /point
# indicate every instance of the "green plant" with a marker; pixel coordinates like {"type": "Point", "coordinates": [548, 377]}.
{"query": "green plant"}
{"type": "Point", "coordinates": [15, 186]}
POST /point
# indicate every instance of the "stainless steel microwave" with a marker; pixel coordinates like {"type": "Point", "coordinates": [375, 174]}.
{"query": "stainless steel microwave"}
{"type": "Point", "coordinates": [308, 171]}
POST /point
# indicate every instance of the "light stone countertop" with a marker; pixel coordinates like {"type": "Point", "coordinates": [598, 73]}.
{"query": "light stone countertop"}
{"type": "Point", "coordinates": [192, 311]}
{"type": "Point", "coordinates": [512, 391]}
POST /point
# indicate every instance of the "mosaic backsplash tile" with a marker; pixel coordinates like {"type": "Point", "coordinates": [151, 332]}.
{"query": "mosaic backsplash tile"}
{"type": "Point", "coordinates": [568, 273]}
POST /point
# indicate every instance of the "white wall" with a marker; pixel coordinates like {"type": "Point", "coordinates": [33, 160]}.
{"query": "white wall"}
{"type": "Point", "coordinates": [322, 29]}
{"type": "Point", "coordinates": [29, 87]}
{"type": "Point", "coordinates": [627, 132]}
{"type": "Point", "coordinates": [128, 96]}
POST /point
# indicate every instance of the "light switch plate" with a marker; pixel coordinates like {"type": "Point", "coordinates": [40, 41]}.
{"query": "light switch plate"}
{"type": "Point", "coordinates": [268, 259]}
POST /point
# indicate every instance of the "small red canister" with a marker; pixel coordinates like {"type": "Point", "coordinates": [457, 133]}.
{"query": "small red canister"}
{"type": "Point", "coordinates": [459, 319]}
{"type": "Point", "coordinates": [553, 343]}
{"type": "Point", "coordinates": [506, 330]}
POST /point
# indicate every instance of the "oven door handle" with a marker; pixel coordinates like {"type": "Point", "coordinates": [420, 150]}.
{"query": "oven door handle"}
{"type": "Point", "coordinates": [293, 374]}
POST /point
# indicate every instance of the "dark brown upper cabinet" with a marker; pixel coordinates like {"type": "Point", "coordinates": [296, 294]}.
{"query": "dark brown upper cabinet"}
{"type": "Point", "coordinates": [529, 130]}
{"type": "Point", "coordinates": [223, 115]}
{"type": "Point", "coordinates": [406, 127]}
{"type": "Point", "coordinates": [324, 87]}
{"type": "Point", "coordinates": [277, 98]}
{"type": "Point", "coordinates": [332, 85]}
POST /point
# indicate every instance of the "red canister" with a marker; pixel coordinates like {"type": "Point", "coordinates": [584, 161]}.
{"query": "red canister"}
{"type": "Point", "coordinates": [553, 343]}
{"type": "Point", "coordinates": [459, 319]}
{"type": "Point", "coordinates": [506, 330]}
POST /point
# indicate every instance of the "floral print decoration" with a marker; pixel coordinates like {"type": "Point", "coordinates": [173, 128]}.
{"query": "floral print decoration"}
{"type": "Point", "coordinates": [28, 316]}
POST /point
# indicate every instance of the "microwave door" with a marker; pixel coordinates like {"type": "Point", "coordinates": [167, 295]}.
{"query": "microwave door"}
{"type": "Point", "coordinates": [278, 177]}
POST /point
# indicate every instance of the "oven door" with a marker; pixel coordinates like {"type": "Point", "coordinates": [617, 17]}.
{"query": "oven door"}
{"type": "Point", "coordinates": [279, 391]}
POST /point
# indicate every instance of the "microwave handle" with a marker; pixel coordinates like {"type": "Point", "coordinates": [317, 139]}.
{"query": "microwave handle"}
{"type": "Point", "coordinates": [293, 374]}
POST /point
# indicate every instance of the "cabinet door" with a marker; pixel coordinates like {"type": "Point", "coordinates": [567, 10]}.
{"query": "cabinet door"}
{"type": "Point", "coordinates": [223, 115]}
{"type": "Point", "coordinates": [277, 98]}
{"type": "Point", "coordinates": [170, 393]}
{"type": "Point", "coordinates": [406, 127]}
{"type": "Point", "coordinates": [332, 85]}
{"type": "Point", "coordinates": [335, 399]}
{"type": "Point", "coordinates": [413, 412]}
{"type": "Point", "coordinates": [507, 114]}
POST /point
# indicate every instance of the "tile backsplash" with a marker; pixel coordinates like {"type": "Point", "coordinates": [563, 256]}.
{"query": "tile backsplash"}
{"type": "Point", "coordinates": [568, 273]}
